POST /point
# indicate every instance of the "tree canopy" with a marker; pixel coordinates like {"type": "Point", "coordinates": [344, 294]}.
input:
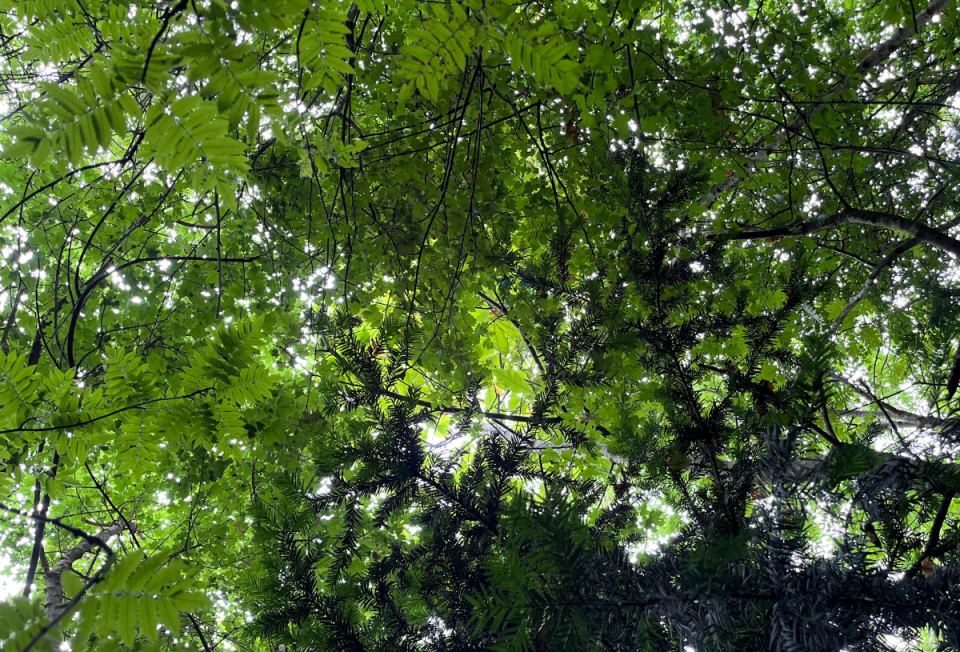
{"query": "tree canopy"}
{"type": "Point", "coordinates": [479, 325]}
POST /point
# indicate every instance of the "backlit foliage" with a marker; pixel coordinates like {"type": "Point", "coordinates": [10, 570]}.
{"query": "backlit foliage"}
{"type": "Point", "coordinates": [478, 325]}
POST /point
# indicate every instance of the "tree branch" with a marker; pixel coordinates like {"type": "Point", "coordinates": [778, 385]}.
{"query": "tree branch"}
{"type": "Point", "coordinates": [918, 230]}
{"type": "Point", "coordinates": [954, 380]}
{"type": "Point", "coordinates": [931, 549]}
{"type": "Point", "coordinates": [870, 62]}
{"type": "Point", "coordinates": [54, 596]}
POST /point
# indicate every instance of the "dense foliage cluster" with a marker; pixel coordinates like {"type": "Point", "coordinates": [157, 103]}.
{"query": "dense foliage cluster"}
{"type": "Point", "coordinates": [479, 325]}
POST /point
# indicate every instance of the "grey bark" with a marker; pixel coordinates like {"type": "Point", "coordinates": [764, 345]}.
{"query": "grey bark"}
{"type": "Point", "coordinates": [54, 597]}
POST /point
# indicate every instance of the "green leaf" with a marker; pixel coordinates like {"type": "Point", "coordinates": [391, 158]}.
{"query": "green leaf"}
{"type": "Point", "coordinates": [848, 461]}
{"type": "Point", "coordinates": [128, 617]}
{"type": "Point", "coordinates": [512, 380]}
{"type": "Point", "coordinates": [72, 583]}
{"type": "Point", "coordinates": [168, 614]}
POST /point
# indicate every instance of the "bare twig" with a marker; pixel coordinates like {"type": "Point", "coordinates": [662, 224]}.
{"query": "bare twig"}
{"type": "Point", "coordinates": [879, 54]}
